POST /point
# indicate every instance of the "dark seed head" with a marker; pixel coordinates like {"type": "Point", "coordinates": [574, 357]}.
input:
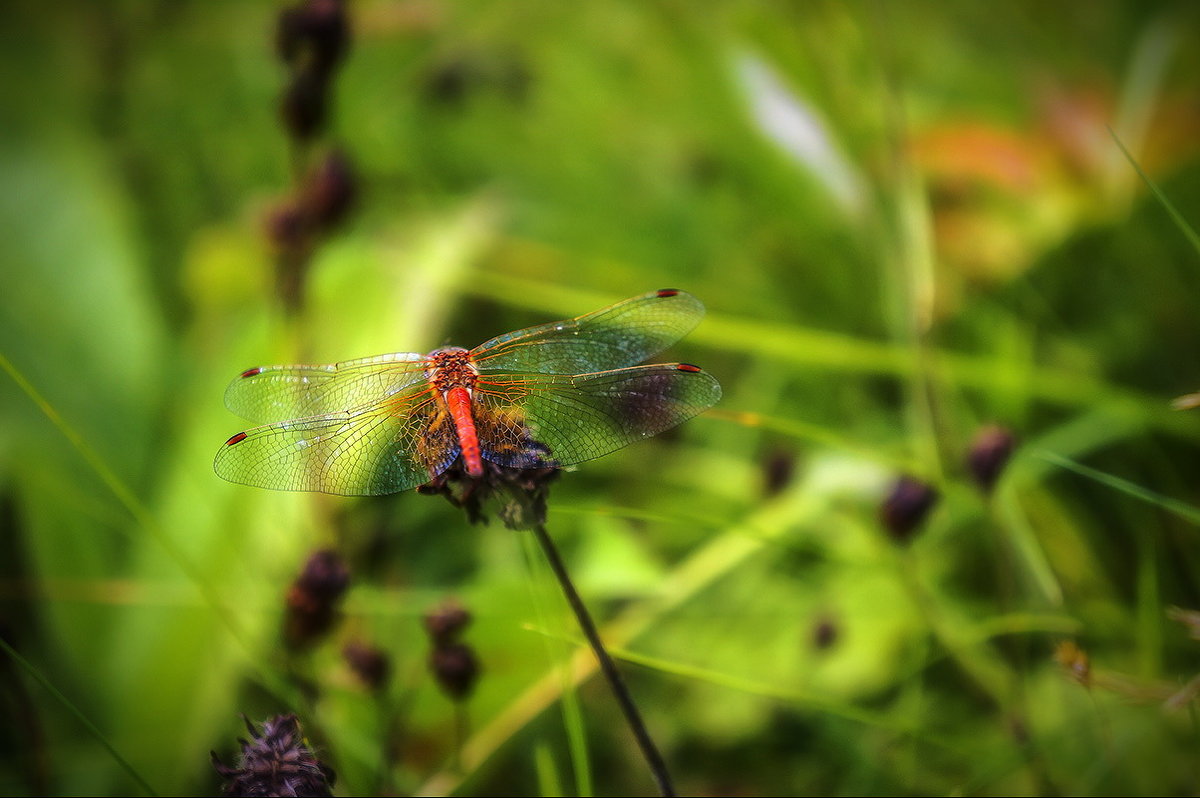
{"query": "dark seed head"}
{"type": "Point", "coordinates": [275, 761]}
{"type": "Point", "coordinates": [330, 190]}
{"type": "Point", "coordinates": [455, 668]}
{"type": "Point", "coordinates": [522, 492]}
{"type": "Point", "coordinates": [325, 575]}
{"type": "Point", "coordinates": [906, 507]}
{"type": "Point", "coordinates": [444, 623]}
{"type": "Point", "coordinates": [825, 634]}
{"type": "Point", "coordinates": [286, 228]}
{"type": "Point", "coordinates": [313, 35]}
{"type": "Point", "coordinates": [990, 451]}
{"type": "Point", "coordinates": [778, 469]}
{"type": "Point", "coordinates": [313, 599]}
{"type": "Point", "coordinates": [370, 664]}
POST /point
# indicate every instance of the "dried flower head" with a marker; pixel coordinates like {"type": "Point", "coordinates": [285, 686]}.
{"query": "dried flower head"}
{"type": "Point", "coordinates": [453, 663]}
{"type": "Point", "coordinates": [778, 470]}
{"type": "Point", "coordinates": [456, 669]}
{"type": "Point", "coordinates": [312, 39]}
{"type": "Point", "coordinates": [329, 191]}
{"type": "Point", "coordinates": [825, 634]}
{"type": "Point", "coordinates": [372, 665]}
{"type": "Point", "coordinates": [906, 508]}
{"type": "Point", "coordinates": [313, 35]}
{"type": "Point", "coordinates": [445, 622]}
{"type": "Point", "coordinates": [989, 453]}
{"type": "Point", "coordinates": [286, 227]}
{"type": "Point", "coordinates": [522, 492]}
{"type": "Point", "coordinates": [313, 599]}
{"type": "Point", "coordinates": [275, 761]}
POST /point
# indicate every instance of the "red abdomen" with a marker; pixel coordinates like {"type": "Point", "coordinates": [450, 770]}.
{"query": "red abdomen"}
{"type": "Point", "coordinates": [458, 400]}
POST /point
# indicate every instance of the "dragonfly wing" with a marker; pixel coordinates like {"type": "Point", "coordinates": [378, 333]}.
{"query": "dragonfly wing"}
{"type": "Point", "coordinates": [384, 449]}
{"type": "Point", "coordinates": [272, 393]}
{"type": "Point", "coordinates": [620, 335]}
{"type": "Point", "coordinates": [533, 420]}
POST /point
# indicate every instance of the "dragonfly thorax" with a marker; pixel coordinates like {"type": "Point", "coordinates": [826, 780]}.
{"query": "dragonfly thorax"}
{"type": "Point", "coordinates": [451, 367]}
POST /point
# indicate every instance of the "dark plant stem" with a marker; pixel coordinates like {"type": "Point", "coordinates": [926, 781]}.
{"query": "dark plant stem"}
{"type": "Point", "coordinates": [654, 760]}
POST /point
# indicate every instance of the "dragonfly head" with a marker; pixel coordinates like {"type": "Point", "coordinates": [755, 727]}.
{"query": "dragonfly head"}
{"type": "Point", "coordinates": [442, 351]}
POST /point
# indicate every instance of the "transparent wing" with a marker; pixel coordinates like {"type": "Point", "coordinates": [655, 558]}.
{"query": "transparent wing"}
{"type": "Point", "coordinates": [620, 335]}
{"type": "Point", "coordinates": [531, 420]}
{"type": "Point", "coordinates": [399, 444]}
{"type": "Point", "coordinates": [275, 393]}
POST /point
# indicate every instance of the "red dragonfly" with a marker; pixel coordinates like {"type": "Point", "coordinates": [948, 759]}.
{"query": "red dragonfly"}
{"type": "Point", "coordinates": [547, 396]}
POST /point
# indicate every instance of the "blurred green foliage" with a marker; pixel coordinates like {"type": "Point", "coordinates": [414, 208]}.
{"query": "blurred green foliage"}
{"type": "Point", "coordinates": [908, 221]}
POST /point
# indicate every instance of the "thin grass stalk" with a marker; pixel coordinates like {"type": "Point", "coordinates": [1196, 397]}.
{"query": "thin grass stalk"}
{"type": "Point", "coordinates": [654, 760]}
{"type": "Point", "coordinates": [70, 706]}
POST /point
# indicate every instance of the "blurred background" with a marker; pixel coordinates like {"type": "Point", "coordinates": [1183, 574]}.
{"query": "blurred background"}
{"type": "Point", "coordinates": [940, 535]}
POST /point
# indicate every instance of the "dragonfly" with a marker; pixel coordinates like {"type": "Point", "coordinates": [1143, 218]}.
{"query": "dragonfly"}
{"type": "Point", "coordinates": [543, 397]}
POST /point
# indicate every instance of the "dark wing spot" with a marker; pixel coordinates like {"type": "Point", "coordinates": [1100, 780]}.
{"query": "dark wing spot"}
{"type": "Point", "coordinates": [252, 372]}
{"type": "Point", "coordinates": [688, 367]}
{"type": "Point", "coordinates": [663, 293]}
{"type": "Point", "coordinates": [241, 436]}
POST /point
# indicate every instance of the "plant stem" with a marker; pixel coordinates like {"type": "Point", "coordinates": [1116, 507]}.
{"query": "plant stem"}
{"type": "Point", "coordinates": [654, 760]}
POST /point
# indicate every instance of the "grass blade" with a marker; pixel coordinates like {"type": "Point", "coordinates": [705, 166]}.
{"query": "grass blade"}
{"type": "Point", "coordinates": [74, 710]}
{"type": "Point", "coordinates": [548, 779]}
{"type": "Point", "coordinates": [1188, 231]}
{"type": "Point", "coordinates": [1174, 506]}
